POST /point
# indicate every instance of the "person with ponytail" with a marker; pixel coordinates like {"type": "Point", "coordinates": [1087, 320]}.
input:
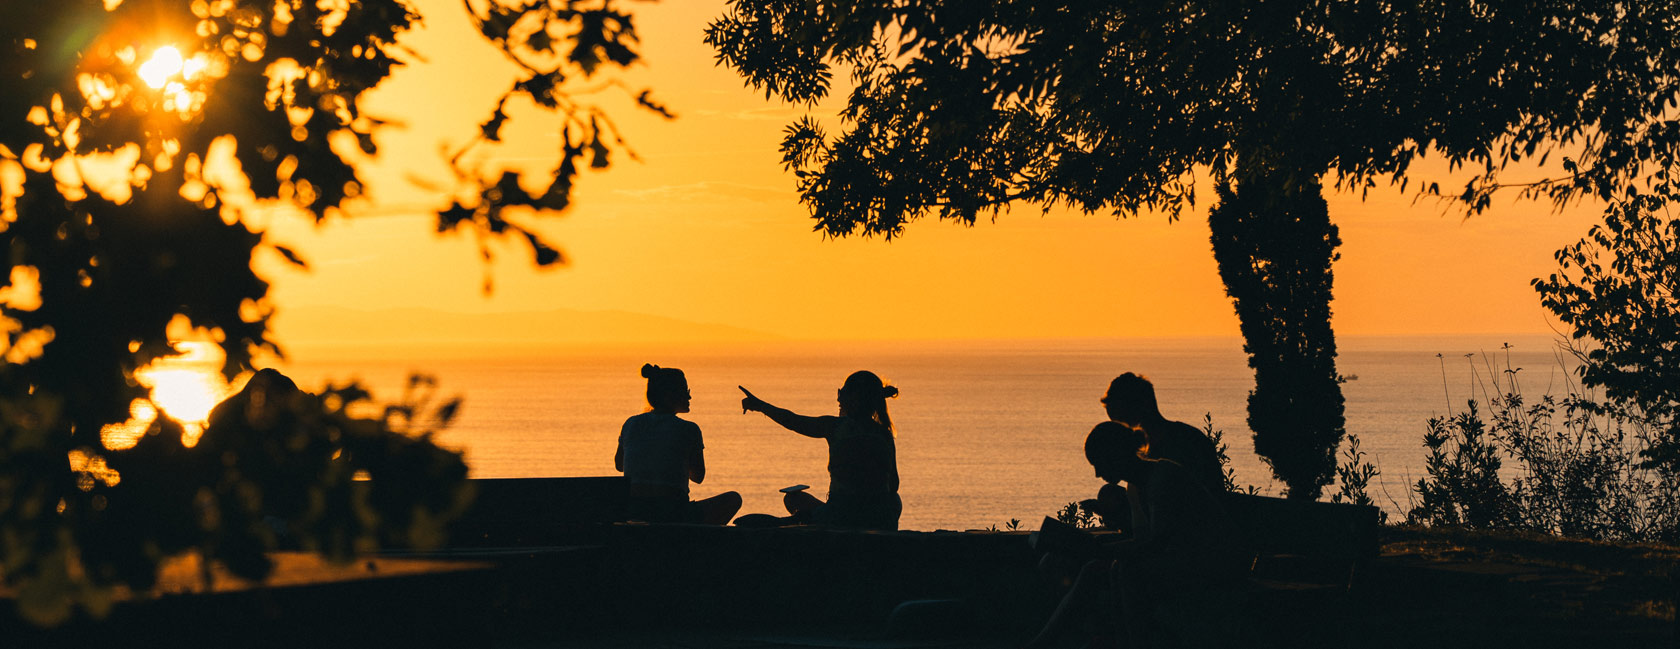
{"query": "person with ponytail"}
{"type": "Point", "coordinates": [660, 453]}
{"type": "Point", "coordinates": [862, 458]}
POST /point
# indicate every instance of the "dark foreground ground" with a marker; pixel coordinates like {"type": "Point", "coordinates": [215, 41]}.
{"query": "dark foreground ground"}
{"type": "Point", "coordinates": [712, 588]}
{"type": "Point", "coordinates": [1429, 588]}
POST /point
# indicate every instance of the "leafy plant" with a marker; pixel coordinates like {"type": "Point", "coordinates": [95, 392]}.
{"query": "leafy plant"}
{"type": "Point", "coordinates": [1079, 515]}
{"type": "Point", "coordinates": [1618, 290]}
{"type": "Point", "coordinates": [1221, 452]}
{"type": "Point", "coordinates": [1353, 477]}
{"type": "Point", "coordinates": [1576, 470]}
{"type": "Point", "coordinates": [1463, 487]}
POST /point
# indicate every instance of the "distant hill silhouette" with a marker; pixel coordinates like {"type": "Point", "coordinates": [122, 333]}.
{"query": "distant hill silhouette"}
{"type": "Point", "coordinates": [319, 326]}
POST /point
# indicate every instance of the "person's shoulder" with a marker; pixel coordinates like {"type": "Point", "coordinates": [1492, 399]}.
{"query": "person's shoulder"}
{"type": "Point", "coordinates": [1191, 435]}
{"type": "Point", "coordinates": [224, 412]}
{"type": "Point", "coordinates": [1181, 428]}
{"type": "Point", "coordinates": [672, 421]}
{"type": "Point", "coordinates": [647, 419]}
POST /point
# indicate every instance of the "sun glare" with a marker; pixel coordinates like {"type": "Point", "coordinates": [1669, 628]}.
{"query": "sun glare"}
{"type": "Point", "coordinates": [185, 394]}
{"type": "Point", "coordinates": [176, 78]}
{"type": "Point", "coordinates": [184, 387]}
{"type": "Point", "coordinates": [165, 63]}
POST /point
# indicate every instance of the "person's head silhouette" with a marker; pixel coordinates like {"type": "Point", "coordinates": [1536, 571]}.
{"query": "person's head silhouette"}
{"type": "Point", "coordinates": [267, 394]}
{"type": "Point", "coordinates": [1115, 451]}
{"type": "Point", "coordinates": [864, 395]}
{"type": "Point", "coordinates": [1131, 400]}
{"type": "Point", "coordinates": [667, 389]}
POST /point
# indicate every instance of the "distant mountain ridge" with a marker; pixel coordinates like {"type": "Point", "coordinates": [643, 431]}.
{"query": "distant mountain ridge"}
{"type": "Point", "coordinates": [333, 325]}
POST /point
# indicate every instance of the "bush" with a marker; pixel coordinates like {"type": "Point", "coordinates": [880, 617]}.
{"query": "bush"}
{"type": "Point", "coordinates": [1618, 290]}
{"type": "Point", "coordinates": [1353, 478]}
{"type": "Point", "coordinates": [1080, 515]}
{"type": "Point", "coordinates": [1221, 452]}
{"type": "Point", "coordinates": [1575, 468]}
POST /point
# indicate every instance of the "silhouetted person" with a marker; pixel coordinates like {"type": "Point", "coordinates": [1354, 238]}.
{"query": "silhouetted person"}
{"type": "Point", "coordinates": [1183, 545]}
{"type": "Point", "coordinates": [255, 428]}
{"type": "Point", "coordinates": [262, 405]}
{"type": "Point", "coordinates": [1131, 401]}
{"type": "Point", "coordinates": [1067, 559]}
{"type": "Point", "coordinates": [862, 458]}
{"type": "Point", "coordinates": [660, 453]}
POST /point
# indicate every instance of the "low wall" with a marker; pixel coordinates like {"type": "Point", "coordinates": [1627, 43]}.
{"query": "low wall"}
{"type": "Point", "coordinates": [690, 575]}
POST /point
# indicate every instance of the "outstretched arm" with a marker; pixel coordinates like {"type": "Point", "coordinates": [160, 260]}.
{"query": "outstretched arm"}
{"type": "Point", "coordinates": [818, 427]}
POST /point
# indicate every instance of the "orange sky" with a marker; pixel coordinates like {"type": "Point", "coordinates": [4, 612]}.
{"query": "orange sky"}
{"type": "Point", "coordinates": [707, 228]}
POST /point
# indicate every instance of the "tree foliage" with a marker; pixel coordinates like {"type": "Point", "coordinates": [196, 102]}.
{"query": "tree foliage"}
{"type": "Point", "coordinates": [551, 43]}
{"type": "Point", "coordinates": [956, 109]}
{"type": "Point", "coordinates": [1565, 465]}
{"type": "Point", "coordinates": [1274, 257]}
{"type": "Point", "coordinates": [1618, 290]}
{"type": "Point", "coordinates": [135, 136]}
{"type": "Point", "coordinates": [1116, 108]}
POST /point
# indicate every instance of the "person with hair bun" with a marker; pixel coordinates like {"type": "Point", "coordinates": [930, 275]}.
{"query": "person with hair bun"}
{"type": "Point", "coordinates": [660, 453]}
{"type": "Point", "coordinates": [862, 458]}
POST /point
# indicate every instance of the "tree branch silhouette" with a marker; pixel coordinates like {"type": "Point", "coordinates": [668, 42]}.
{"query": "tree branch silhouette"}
{"type": "Point", "coordinates": [955, 108]}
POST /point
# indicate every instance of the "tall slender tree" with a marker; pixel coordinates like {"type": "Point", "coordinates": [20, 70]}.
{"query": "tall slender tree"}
{"type": "Point", "coordinates": [957, 109]}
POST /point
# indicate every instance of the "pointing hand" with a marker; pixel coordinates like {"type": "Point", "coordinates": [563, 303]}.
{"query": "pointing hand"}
{"type": "Point", "coordinates": [751, 402]}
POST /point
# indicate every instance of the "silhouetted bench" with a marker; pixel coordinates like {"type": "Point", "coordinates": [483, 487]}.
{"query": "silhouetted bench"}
{"type": "Point", "coordinates": [538, 511]}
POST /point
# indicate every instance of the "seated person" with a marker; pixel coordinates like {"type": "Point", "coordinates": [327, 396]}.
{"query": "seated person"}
{"type": "Point", "coordinates": [1182, 543]}
{"type": "Point", "coordinates": [660, 453]}
{"type": "Point", "coordinates": [261, 406]}
{"type": "Point", "coordinates": [1131, 401]}
{"type": "Point", "coordinates": [252, 427]}
{"type": "Point", "coordinates": [862, 459]}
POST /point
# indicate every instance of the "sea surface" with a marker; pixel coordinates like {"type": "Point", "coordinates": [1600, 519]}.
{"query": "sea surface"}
{"type": "Point", "coordinates": [987, 431]}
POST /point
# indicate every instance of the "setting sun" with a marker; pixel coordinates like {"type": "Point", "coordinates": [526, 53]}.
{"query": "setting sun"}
{"type": "Point", "coordinates": [185, 388]}
{"type": "Point", "coordinates": [165, 63]}
{"type": "Point", "coordinates": [172, 74]}
{"type": "Point", "coordinates": [185, 394]}
{"type": "Point", "coordinates": [188, 386]}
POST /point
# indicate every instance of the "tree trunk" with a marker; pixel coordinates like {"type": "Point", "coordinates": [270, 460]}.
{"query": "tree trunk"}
{"type": "Point", "coordinates": [1274, 244]}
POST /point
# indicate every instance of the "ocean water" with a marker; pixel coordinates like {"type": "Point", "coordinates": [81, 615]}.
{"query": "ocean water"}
{"type": "Point", "coordinates": [988, 431]}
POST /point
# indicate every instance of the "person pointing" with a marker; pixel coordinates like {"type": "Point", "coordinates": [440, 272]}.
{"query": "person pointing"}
{"type": "Point", "coordinates": [862, 457]}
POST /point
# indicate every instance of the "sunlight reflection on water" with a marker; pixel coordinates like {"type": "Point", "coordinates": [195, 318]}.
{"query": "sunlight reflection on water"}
{"type": "Point", "coordinates": [184, 388]}
{"type": "Point", "coordinates": [988, 431]}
